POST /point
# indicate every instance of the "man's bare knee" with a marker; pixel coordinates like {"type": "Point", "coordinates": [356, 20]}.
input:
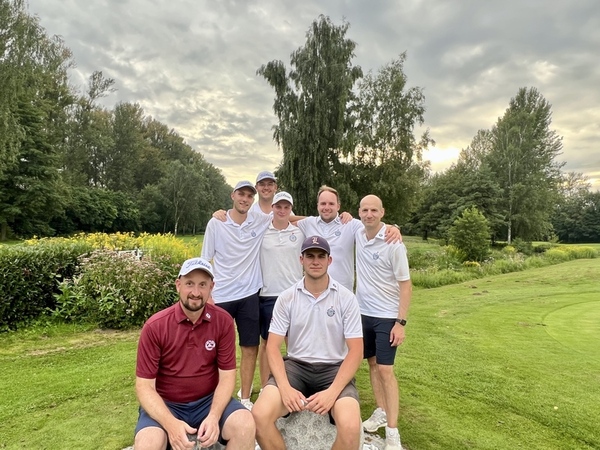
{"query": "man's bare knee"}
{"type": "Point", "coordinates": [150, 438]}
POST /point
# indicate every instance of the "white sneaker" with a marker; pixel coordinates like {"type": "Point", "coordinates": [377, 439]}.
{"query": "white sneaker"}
{"type": "Point", "coordinates": [377, 420]}
{"type": "Point", "coordinates": [247, 403]}
{"type": "Point", "coordinates": [392, 439]}
{"type": "Point", "coordinates": [239, 393]}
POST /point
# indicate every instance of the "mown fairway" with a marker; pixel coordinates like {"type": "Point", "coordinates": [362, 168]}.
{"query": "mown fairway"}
{"type": "Point", "coordinates": [505, 362]}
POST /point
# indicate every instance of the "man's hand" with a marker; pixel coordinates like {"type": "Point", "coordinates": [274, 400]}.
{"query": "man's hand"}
{"type": "Point", "coordinates": [221, 215]}
{"type": "Point", "coordinates": [397, 335]}
{"type": "Point", "coordinates": [178, 431]}
{"type": "Point", "coordinates": [208, 432]}
{"type": "Point", "coordinates": [322, 401]}
{"type": "Point", "coordinates": [345, 217]}
{"type": "Point", "coordinates": [293, 399]}
{"type": "Point", "coordinates": [392, 234]}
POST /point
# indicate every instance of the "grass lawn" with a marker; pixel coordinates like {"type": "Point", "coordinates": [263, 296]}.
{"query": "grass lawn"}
{"type": "Point", "coordinates": [504, 362]}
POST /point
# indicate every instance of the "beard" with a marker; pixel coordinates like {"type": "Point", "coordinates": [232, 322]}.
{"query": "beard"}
{"type": "Point", "coordinates": [193, 308]}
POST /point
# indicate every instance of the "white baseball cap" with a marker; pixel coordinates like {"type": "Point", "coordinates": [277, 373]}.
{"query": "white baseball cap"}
{"type": "Point", "coordinates": [282, 196]}
{"type": "Point", "coordinates": [196, 263]}
{"type": "Point", "coordinates": [244, 184]}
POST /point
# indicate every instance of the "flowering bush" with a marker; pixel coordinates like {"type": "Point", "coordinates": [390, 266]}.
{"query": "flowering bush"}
{"type": "Point", "coordinates": [117, 289]}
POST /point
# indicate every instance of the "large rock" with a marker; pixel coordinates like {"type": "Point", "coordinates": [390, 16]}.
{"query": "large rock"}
{"type": "Point", "coordinates": [307, 430]}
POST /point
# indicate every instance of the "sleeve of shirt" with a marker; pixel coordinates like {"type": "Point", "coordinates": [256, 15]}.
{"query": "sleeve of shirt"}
{"type": "Point", "coordinates": [280, 322]}
{"type": "Point", "coordinates": [208, 243]}
{"type": "Point", "coordinates": [148, 354]}
{"type": "Point", "coordinates": [352, 321]}
{"type": "Point", "coordinates": [226, 358]}
{"type": "Point", "coordinates": [399, 260]}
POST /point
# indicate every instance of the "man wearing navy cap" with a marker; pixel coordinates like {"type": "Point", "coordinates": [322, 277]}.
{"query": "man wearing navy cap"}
{"type": "Point", "coordinates": [233, 247]}
{"type": "Point", "coordinates": [325, 347]}
{"type": "Point", "coordinates": [185, 371]}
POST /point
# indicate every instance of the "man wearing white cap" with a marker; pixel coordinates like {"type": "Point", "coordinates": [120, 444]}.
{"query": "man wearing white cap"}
{"type": "Point", "coordinates": [185, 371]}
{"type": "Point", "coordinates": [233, 247]}
{"type": "Point", "coordinates": [280, 267]}
{"type": "Point", "coordinates": [266, 186]}
{"type": "Point", "coordinates": [322, 321]}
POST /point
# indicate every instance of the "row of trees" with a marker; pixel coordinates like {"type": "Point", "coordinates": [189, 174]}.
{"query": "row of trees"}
{"type": "Point", "coordinates": [68, 164]}
{"type": "Point", "coordinates": [357, 133]}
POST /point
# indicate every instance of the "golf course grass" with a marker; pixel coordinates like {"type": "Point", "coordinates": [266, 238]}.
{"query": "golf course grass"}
{"type": "Point", "coordinates": [504, 362]}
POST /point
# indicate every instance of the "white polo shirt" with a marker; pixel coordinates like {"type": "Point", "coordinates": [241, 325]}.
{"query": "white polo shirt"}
{"type": "Point", "coordinates": [234, 251]}
{"type": "Point", "coordinates": [255, 208]}
{"type": "Point", "coordinates": [317, 329]}
{"type": "Point", "coordinates": [379, 268]}
{"type": "Point", "coordinates": [341, 241]}
{"type": "Point", "coordinates": [280, 259]}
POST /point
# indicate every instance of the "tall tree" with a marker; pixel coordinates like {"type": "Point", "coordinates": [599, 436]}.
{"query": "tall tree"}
{"type": "Point", "coordinates": [33, 111]}
{"type": "Point", "coordinates": [387, 157]}
{"type": "Point", "coordinates": [311, 102]}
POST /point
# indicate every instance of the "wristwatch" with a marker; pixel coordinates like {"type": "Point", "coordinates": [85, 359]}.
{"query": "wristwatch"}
{"type": "Point", "coordinates": [401, 321]}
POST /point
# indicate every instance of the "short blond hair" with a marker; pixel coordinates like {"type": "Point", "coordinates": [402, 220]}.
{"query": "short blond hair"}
{"type": "Point", "coordinates": [325, 188]}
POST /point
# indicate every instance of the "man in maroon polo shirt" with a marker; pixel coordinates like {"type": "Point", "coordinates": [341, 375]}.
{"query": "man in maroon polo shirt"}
{"type": "Point", "coordinates": [185, 373]}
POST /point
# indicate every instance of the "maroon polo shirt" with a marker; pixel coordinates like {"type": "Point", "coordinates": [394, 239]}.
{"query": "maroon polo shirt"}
{"type": "Point", "coordinates": [183, 357]}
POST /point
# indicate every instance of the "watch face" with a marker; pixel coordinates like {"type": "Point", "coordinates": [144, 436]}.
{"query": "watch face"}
{"type": "Point", "coordinates": [401, 321]}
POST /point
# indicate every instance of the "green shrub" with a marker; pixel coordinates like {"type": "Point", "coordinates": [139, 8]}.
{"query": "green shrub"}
{"type": "Point", "coordinates": [470, 233]}
{"type": "Point", "coordinates": [30, 276]}
{"type": "Point", "coordinates": [557, 255]}
{"type": "Point", "coordinates": [543, 247]}
{"type": "Point", "coordinates": [118, 290]}
{"type": "Point", "coordinates": [580, 252]}
{"type": "Point", "coordinates": [522, 246]}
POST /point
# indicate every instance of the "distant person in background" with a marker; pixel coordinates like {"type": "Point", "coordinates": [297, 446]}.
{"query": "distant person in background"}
{"type": "Point", "coordinates": [233, 247]}
{"type": "Point", "coordinates": [280, 267]}
{"type": "Point", "coordinates": [384, 291]}
{"type": "Point", "coordinates": [185, 371]}
{"type": "Point", "coordinates": [322, 321]}
{"type": "Point", "coordinates": [266, 187]}
{"type": "Point", "coordinates": [339, 234]}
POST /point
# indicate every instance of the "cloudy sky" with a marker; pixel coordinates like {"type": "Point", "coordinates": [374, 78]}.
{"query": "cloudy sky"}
{"type": "Point", "coordinates": [191, 64]}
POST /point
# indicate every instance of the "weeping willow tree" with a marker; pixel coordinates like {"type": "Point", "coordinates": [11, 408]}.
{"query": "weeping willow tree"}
{"type": "Point", "coordinates": [311, 103]}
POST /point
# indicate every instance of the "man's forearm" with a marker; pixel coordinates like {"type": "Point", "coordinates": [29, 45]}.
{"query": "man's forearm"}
{"type": "Point", "coordinates": [349, 366]}
{"type": "Point", "coordinates": [276, 364]}
{"type": "Point", "coordinates": [405, 290]}
{"type": "Point", "coordinates": [223, 392]}
{"type": "Point", "coordinates": [152, 402]}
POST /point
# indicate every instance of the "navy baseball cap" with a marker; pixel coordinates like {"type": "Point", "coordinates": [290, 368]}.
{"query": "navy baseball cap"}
{"type": "Point", "coordinates": [318, 242]}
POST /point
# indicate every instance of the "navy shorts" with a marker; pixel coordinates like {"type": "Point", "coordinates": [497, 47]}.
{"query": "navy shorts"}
{"type": "Point", "coordinates": [376, 339]}
{"type": "Point", "coordinates": [192, 413]}
{"type": "Point", "coordinates": [245, 314]}
{"type": "Point", "coordinates": [265, 308]}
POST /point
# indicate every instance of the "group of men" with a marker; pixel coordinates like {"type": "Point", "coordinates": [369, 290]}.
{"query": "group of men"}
{"type": "Point", "coordinates": [282, 278]}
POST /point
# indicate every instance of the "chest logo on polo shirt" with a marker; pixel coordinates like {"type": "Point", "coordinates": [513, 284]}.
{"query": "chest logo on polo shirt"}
{"type": "Point", "coordinates": [293, 238]}
{"type": "Point", "coordinates": [331, 311]}
{"type": "Point", "coordinates": [210, 345]}
{"type": "Point", "coordinates": [253, 234]}
{"type": "Point", "coordinates": [376, 256]}
{"type": "Point", "coordinates": [338, 233]}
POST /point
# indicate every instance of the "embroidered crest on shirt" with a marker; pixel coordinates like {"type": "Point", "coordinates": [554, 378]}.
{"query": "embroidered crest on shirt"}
{"type": "Point", "coordinates": [331, 311]}
{"type": "Point", "coordinates": [376, 256]}
{"type": "Point", "coordinates": [293, 238]}
{"type": "Point", "coordinates": [253, 234]}
{"type": "Point", "coordinates": [338, 233]}
{"type": "Point", "coordinates": [210, 345]}
{"type": "Point", "coordinates": [207, 315]}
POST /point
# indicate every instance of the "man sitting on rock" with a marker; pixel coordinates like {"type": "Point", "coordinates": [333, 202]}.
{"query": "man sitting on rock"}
{"type": "Point", "coordinates": [325, 348]}
{"type": "Point", "coordinates": [185, 373]}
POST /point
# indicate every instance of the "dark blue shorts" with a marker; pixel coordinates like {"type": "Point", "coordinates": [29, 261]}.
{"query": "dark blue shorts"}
{"type": "Point", "coordinates": [192, 413]}
{"type": "Point", "coordinates": [376, 339]}
{"type": "Point", "coordinates": [245, 314]}
{"type": "Point", "coordinates": [266, 314]}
